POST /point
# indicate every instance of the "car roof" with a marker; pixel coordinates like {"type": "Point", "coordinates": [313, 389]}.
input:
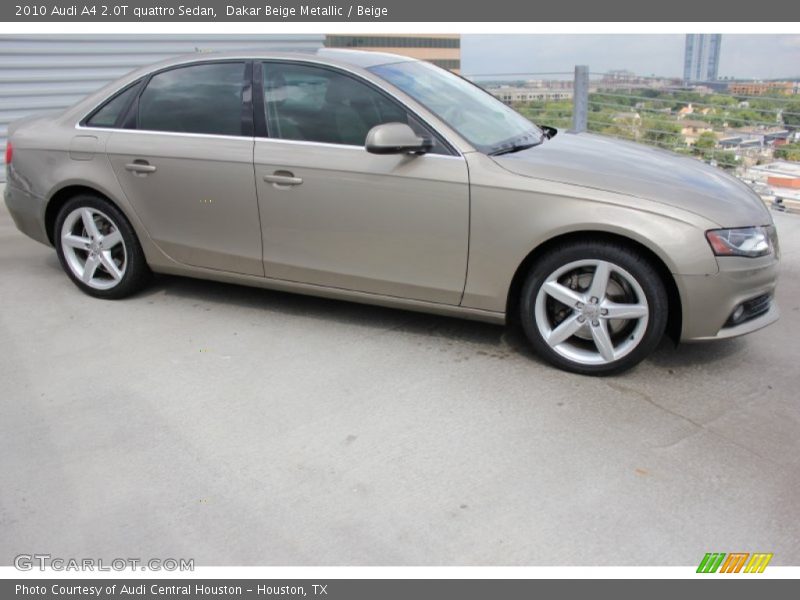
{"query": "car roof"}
{"type": "Point", "coordinates": [334, 56]}
{"type": "Point", "coordinates": [360, 58]}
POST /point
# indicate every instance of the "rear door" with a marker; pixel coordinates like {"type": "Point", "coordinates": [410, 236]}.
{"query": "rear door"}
{"type": "Point", "coordinates": [185, 161]}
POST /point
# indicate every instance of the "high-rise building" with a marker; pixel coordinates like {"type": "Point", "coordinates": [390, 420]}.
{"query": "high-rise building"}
{"type": "Point", "coordinates": [701, 57]}
{"type": "Point", "coordinates": [443, 50]}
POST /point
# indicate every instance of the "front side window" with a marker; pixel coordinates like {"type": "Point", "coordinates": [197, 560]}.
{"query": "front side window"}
{"type": "Point", "coordinates": [480, 118]}
{"type": "Point", "coordinates": [204, 98]}
{"type": "Point", "coordinates": [109, 114]}
{"type": "Point", "coordinates": [321, 105]}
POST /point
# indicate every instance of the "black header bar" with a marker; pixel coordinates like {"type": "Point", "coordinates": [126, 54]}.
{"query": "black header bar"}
{"type": "Point", "coordinates": [707, 11]}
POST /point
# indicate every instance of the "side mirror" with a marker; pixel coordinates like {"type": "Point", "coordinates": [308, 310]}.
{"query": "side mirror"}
{"type": "Point", "coordinates": [395, 138]}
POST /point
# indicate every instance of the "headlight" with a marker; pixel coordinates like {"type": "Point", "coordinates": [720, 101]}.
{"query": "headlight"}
{"type": "Point", "coordinates": [742, 241]}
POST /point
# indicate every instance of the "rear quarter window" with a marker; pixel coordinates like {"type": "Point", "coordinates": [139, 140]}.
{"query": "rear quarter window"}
{"type": "Point", "coordinates": [108, 114]}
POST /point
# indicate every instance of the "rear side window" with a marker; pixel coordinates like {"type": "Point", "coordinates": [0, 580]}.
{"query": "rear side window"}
{"type": "Point", "coordinates": [108, 114]}
{"type": "Point", "coordinates": [195, 99]}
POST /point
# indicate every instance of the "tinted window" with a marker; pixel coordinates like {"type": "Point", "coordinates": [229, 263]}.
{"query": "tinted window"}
{"type": "Point", "coordinates": [195, 99]}
{"type": "Point", "coordinates": [108, 114]}
{"type": "Point", "coordinates": [321, 105]}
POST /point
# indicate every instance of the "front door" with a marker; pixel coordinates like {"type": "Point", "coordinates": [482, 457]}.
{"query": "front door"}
{"type": "Point", "coordinates": [333, 214]}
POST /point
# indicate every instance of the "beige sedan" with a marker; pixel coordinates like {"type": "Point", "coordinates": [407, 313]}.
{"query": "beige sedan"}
{"type": "Point", "coordinates": [385, 180]}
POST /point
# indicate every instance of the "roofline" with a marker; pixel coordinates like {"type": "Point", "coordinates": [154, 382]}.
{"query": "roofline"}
{"type": "Point", "coordinates": [73, 114]}
{"type": "Point", "coordinates": [322, 56]}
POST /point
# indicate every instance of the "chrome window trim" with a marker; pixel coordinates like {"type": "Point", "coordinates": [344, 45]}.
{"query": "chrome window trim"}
{"type": "Point", "coordinates": [344, 146]}
{"type": "Point", "coordinates": [246, 137]}
{"type": "Point", "coordinates": [80, 127]}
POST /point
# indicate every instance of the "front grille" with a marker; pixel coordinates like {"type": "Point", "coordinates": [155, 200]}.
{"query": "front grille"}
{"type": "Point", "coordinates": [755, 307]}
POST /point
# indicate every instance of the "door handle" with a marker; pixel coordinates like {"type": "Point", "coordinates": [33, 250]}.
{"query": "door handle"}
{"type": "Point", "coordinates": [283, 178]}
{"type": "Point", "coordinates": [140, 167]}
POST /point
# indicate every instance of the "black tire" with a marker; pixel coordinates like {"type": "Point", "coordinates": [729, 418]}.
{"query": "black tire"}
{"type": "Point", "coordinates": [136, 272]}
{"type": "Point", "coordinates": [628, 259]}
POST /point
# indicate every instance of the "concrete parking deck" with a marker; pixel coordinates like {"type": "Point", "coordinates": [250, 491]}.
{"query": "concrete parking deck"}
{"type": "Point", "coordinates": [241, 426]}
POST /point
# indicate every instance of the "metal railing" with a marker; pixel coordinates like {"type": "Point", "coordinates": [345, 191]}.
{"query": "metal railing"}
{"type": "Point", "coordinates": [706, 121]}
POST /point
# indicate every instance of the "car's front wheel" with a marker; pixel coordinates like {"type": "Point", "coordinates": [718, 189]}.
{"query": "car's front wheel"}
{"type": "Point", "coordinates": [594, 307]}
{"type": "Point", "coordinates": [98, 248]}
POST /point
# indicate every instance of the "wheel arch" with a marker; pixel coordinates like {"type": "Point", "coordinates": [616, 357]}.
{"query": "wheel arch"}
{"type": "Point", "coordinates": [674, 317]}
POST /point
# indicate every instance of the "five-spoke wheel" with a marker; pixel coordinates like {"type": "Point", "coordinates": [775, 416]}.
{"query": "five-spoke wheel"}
{"type": "Point", "coordinates": [594, 307]}
{"type": "Point", "coordinates": [93, 248]}
{"type": "Point", "coordinates": [98, 248]}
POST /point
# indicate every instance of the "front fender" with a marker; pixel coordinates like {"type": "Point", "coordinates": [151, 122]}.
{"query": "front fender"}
{"type": "Point", "coordinates": [511, 216]}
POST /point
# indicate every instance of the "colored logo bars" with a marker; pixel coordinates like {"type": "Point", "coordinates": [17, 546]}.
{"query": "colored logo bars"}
{"type": "Point", "coordinates": [734, 562]}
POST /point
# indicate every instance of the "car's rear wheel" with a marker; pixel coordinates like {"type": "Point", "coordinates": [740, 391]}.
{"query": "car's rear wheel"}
{"type": "Point", "coordinates": [98, 248]}
{"type": "Point", "coordinates": [594, 307]}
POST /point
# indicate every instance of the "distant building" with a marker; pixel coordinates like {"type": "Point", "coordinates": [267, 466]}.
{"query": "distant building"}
{"type": "Point", "coordinates": [619, 76]}
{"type": "Point", "coordinates": [443, 50]}
{"type": "Point", "coordinates": [701, 57]}
{"type": "Point", "coordinates": [624, 79]}
{"type": "Point", "coordinates": [512, 94]}
{"type": "Point", "coordinates": [759, 88]}
{"type": "Point", "coordinates": [754, 137]}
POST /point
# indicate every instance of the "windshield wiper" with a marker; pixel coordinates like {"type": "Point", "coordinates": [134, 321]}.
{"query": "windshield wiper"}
{"type": "Point", "coordinates": [513, 148]}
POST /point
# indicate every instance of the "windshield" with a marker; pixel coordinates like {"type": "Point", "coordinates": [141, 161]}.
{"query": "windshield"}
{"type": "Point", "coordinates": [480, 118]}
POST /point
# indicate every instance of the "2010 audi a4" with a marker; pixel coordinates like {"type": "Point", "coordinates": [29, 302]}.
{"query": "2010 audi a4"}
{"type": "Point", "coordinates": [382, 179]}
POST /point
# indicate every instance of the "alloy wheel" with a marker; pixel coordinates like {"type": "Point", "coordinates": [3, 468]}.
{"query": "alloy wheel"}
{"type": "Point", "coordinates": [93, 248]}
{"type": "Point", "coordinates": [592, 312]}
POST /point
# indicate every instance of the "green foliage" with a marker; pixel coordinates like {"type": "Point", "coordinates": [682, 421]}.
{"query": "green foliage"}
{"type": "Point", "coordinates": [724, 159]}
{"type": "Point", "coordinates": [662, 132]}
{"type": "Point", "coordinates": [788, 152]}
{"type": "Point", "coordinates": [744, 116]}
{"type": "Point", "coordinates": [791, 114]}
{"type": "Point", "coordinates": [721, 99]}
{"type": "Point", "coordinates": [660, 126]}
{"type": "Point", "coordinates": [650, 93]}
{"type": "Point", "coordinates": [706, 141]}
{"type": "Point", "coordinates": [555, 114]}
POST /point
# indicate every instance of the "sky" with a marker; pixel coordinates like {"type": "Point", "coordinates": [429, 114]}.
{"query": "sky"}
{"type": "Point", "coordinates": [742, 56]}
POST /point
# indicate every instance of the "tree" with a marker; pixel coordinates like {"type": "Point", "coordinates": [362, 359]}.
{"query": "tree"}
{"type": "Point", "coordinates": [791, 115]}
{"type": "Point", "coordinates": [554, 113]}
{"type": "Point", "coordinates": [706, 142]}
{"type": "Point", "coordinates": [743, 117]}
{"type": "Point", "coordinates": [726, 160]}
{"type": "Point", "coordinates": [721, 100]}
{"type": "Point", "coordinates": [788, 152]}
{"type": "Point", "coordinates": [662, 132]}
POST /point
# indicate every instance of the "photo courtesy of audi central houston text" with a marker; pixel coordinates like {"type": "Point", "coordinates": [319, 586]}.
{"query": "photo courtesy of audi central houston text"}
{"type": "Point", "coordinates": [384, 179]}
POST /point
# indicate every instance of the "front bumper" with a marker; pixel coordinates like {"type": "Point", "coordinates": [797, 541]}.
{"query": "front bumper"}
{"type": "Point", "coordinates": [710, 300]}
{"type": "Point", "coordinates": [27, 211]}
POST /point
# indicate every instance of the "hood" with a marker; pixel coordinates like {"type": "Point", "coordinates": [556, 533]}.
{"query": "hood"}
{"type": "Point", "coordinates": [642, 171]}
